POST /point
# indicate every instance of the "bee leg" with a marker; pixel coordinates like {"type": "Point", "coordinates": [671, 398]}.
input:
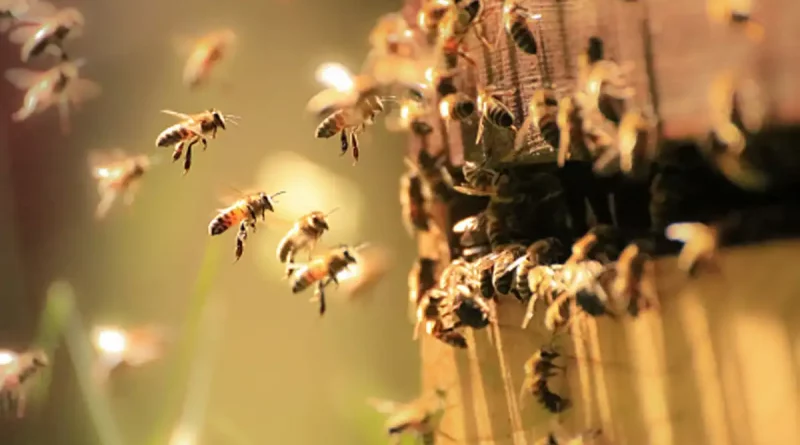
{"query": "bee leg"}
{"type": "Point", "coordinates": [205, 143]}
{"type": "Point", "coordinates": [334, 279]}
{"type": "Point", "coordinates": [354, 140]}
{"type": "Point", "coordinates": [178, 152]}
{"type": "Point", "coordinates": [345, 142]}
{"type": "Point", "coordinates": [481, 128]}
{"type": "Point", "coordinates": [241, 237]}
{"type": "Point", "coordinates": [321, 293]}
{"type": "Point", "coordinates": [187, 162]}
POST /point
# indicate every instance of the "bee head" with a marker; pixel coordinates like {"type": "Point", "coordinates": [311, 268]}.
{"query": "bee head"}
{"type": "Point", "coordinates": [39, 359]}
{"type": "Point", "coordinates": [319, 221]}
{"type": "Point", "coordinates": [71, 17]}
{"type": "Point", "coordinates": [266, 201]}
{"type": "Point", "coordinates": [348, 256]}
{"type": "Point", "coordinates": [219, 119]}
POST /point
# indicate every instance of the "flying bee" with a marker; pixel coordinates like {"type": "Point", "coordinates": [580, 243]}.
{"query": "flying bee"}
{"type": "Point", "coordinates": [192, 129]}
{"type": "Point", "coordinates": [700, 245]}
{"type": "Point", "coordinates": [304, 235]}
{"type": "Point", "coordinates": [391, 35]}
{"type": "Point", "coordinates": [207, 54]}
{"type": "Point", "coordinates": [456, 106]}
{"type": "Point", "coordinates": [430, 15]}
{"type": "Point", "coordinates": [606, 87]}
{"type": "Point", "coordinates": [538, 369]}
{"type": "Point", "coordinates": [515, 23]}
{"type": "Point", "coordinates": [543, 115]}
{"type": "Point", "coordinates": [47, 34]}
{"type": "Point", "coordinates": [736, 13]}
{"type": "Point", "coordinates": [322, 271]}
{"type": "Point", "coordinates": [635, 141]}
{"type": "Point", "coordinates": [412, 116]}
{"type": "Point", "coordinates": [12, 11]}
{"type": "Point", "coordinates": [245, 213]}
{"type": "Point", "coordinates": [15, 371]}
{"type": "Point", "coordinates": [60, 85]}
{"type": "Point", "coordinates": [116, 173]}
{"type": "Point", "coordinates": [418, 418]}
{"type": "Point", "coordinates": [349, 122]}
{"type": "Point", "coordinates": [117, 348]}
{"type": "Point", "coordinates": [493, 110]}
{"type": "Point", "coordinates": [635, 280]}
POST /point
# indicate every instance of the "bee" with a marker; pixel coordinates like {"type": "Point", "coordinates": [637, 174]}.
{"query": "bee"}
{"type": "Point", "coordinates": [429, 309]}
{"type": "Point", "coordinates": [736, 13]}
{"type": "Point", "coordinates": [456, 106]}
{"type": "Point", "coordinates": [349, 122]}
{"type": "Point", "coordinates": [503, 275]}
{"type": "Point", "coordinates": [192, 129]}
{"type": "Point", "coordinates": [700, 245]}
{"type": "Point", "coordinates": [442, 81]}
{"type": "Point", "coordinates": [493, 111]}
{"type": "Point", "coordinates": [515, 23]}
{"type": "Point", "coordinates": [47, 34]}
{"type": "Point", "coordinates": [15, 371]}
{"type": "Point", "coordinates": [543, 284]}
{"type": "Point", "coordinates": [430, 14]}
{"type": "Point", "coordinates": [599, 242]}
{"type": "Point", "coordinates": [60, 85]}
{"type": "Point", "coordinates": [391, 35]}
{"type": "Point", "coordinates": [304, 235]}
{"type": "Point", "coordinates": [460, 19]}
{"type": "Point", "coordinates": [412, 116]}
{"type": "Point", "coordinates": [634, 143]}
{"type": "Point", "coordinates": [541, 253]}
{"type": "Point", "coordinates": [208, 52]}
{"type": "Point", "coordinates": [12, 11]}
{"type": "Point", "coordinates": [606, 87]}
{"type": "Point", "coordinates": [119, 348]}
{"type": "Point", "coordinates": [421, 279]}
{"type": "Point", "coordinates": [542, 115]}
{"type": "Point", "coordinates": [414, 198]}
{"type": "Point", "coordinates": [416, 417]}
{"type": "Point", "coordinates": [474, 240]}
{"type": "Point", "coordinates": [245, 213]}
{"type": "Point", "coordinates": [116, 173]}
{"type": "Point", "coordinates": [635, 280]}
{"type": "Point", "coordinates": [538, 369]}
{"type": "Point", "coordinates": [322, 271]}
{"type": "Point", "coordinates": [583, 438]}
{"type": "Point", "coordinates": [578, 135]}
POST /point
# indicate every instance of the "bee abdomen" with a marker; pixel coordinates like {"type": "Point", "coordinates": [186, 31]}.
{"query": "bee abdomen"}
{"type": "Point", "coordinates": [550, 131]}
{"type": "Point", "coordinates": [487, 287]}
{"type": "Point", "coordinates": [330, 126]}
{"type": "Point", "coordinates": [170, 136]}
{"type": "Point", "coordinates": [499, 115]}
{"type": "Point", "coordinates": [522, 284]}
{"type": "Point", "coordinates": [301, 283]}
{"type": "Point", "coordinates": [522, 35]}
{"type": "Point", "coordinates": [220, 224]}
{"type": "Point", "coordinates": [285, 247]}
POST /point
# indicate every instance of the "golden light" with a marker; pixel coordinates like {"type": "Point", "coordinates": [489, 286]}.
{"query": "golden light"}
{"type": "Point", "coordinates": [444, 109]}
{"type": "Point", "coordinates": [7, 358]}
{"type": "Point", "coordinates": [183, 436]}
{"type": "Point", "coordinates": [336, 76]}
{"type": "Point", "coordinates": [103, 172]}
{"type": "Point", "coordinates": [110, 340]}
{"type": "Point", "coordinates": [536, 17]}
{"type": "Point", "coordinates": [429, 75]}
{"type": "Point", "coordinates": [405, 112]}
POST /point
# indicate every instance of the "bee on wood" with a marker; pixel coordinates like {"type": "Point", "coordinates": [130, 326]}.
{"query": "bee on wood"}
{"type": "Point", "coordinates": [192, 128]}
{"type": "Point", "coordinates": [456, 106]}
{"type": "Point", "coordinates": [515, 23]}
{"type": "Point", "coordinates": [492, 110]}
{"type": "Point", "coordinates": [474, 240]}
{"type": "Point", "coordinates": [635, 280]}
{"type": "Point", "coordinates": [586, 283]}
{"type": "Point", "coordinates": [208, 53]}
{"type": "Point", "coordinates": [13, 11]}
{"type": "Point", "coordinates": [435, 312]}
{"type": "Point", "coordinates": [304, 235]}
{"type": "Point", "coordinates": [16, 370]}
{"type": "Point", "coordinates": [700, 245]}
{"type": "Point", "coordinates": [502, 274]}
{"type": "Point", "coordinates": [116, 174]}
{"type": "Point", "coordinates": [412, 117]}
{"type": "Point", "coordinates": [60, 85]}
{"type": "Point", "coordinates": [538, 369]}
{"type": "Point", "coordinates": [462, 18]}
{"type": "Point", "coordinates": [47, 35]}
{"type": "Point", "coordinates": [417, 418]}
{"type": "Point", "coordinates": [540, 253]}
{"type": "Point", "coordinates": [421, 279]}
{"type": "Point", "coordinates": [245, 213]}
{"type": "Point", "coordinates": [543, 285]}
{"type": "Point", "coordinates": [542, 115]}
{"type": "Point", "coordinates": [321, 271]}
{"type": "Point", "coordinates": [442, 81]}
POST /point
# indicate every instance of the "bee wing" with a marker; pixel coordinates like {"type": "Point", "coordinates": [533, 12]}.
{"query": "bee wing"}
{"type": "Point", "coordinates": [98, 159]}
{"type": "Point", "coordinates": [180, 116]}
{"type": "Point", "coordinates": [82, 90]}
{"type": "Point", "coordinates": [22, 34]}
{"type": "Point", "coordinates": [23, 78]}
{"type": "Point", "coordinates": [107, 198]}
{"type": "Point", "coordinates": [329, 100]}
{"type": "Point", "coordinates": [384, 406]}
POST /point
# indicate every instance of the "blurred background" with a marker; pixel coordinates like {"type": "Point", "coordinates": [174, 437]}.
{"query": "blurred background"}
{"type": "Point", "coordinates": [281, 374]}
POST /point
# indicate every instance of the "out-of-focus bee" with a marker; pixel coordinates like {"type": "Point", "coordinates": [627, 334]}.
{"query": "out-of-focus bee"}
{"type": "Point", "coordinates": [700, 245]}
{"type": "Point", "coordinates": [456, 106]}
{"type": "Point", "coordinates": [579, 136]}
{"type": "Point", "coordinates": [635, 145]}
{"type": "Point", "coordinates": [584, 438]}
{"type": "Point", "coordinates": [543, 115]}
{"type": "Point", "coordinates": [322, 271]}
{"type": "Point", "coordinates": [392, 35]}
{"type": "Point", "coordinates": [372, 264]}
{"type": "Point", "coordinates": [418, 417]}
{"type": "Point", "coordinates": [735, 13]}
{"type": "Point", "coordinates": [12, 11]}
{"type": "Point", "coordinates": [414, 197]}
{"type": "Point", "coordinates": [606, 87]}
{"type": "Point", "coordinates": [421, 279]}
{"type": "Point", "coordinates": [541, 253]}
{"type": "Point", "coordinates": [435, 312]}
{"type": "Point", "coordinates": [192, 128]}
{"type": "Point", "coordinates": [117, 347]}
{"type": "Point", "coordinates": [442, 81]}
{"type": "Point", "coordinates": [586, 283]}
{"type": "Point", "coordinates": [635, 280]}
{"type": "Point", "coordinates": [430, 14]}
{"type": "Point", "coordinates": [207, 53]}
{"type": "Point", "coordinates": [412, 116]}
{"type": "Point", "coordinates": [538, 369]}
{"type": "Point", "coordinates": [493, 110]}
{"type": "Point", "coordinates": [474, 241]}
{"type": "Point", "coordinates": [116, 173]}
{"type": "Point", "coordinates": [543, 285]}
{"type": "Point", "coordinates": [42, 35]}
{"type": "Point", "coordinates": [598, 243]}
{"type": "Point", "coordinates": [502, 274]}
{"type": "Point", "coordinates": [60, 85]}
{"type": "Point", "coordinates": [15, 371]}
{"type": "Point", "coordinates": [245, 213]}
{"type": "Point", "coordinates": [515, 23]}
{"type": "Point", "coordinates": [304, 235]}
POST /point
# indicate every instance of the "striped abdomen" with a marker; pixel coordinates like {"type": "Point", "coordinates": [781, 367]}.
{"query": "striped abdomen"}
{"type": "Point", "coordinates": [502, 278]}
{"type": "Point", "coordinates": [521, 276]}
{"type": "Point", "coordinates": [459, 106]}
{"type": "Point", "coordinates": [517, 29]}
{"type": "Point", "coordinates": [308, 275]}
{"type": "Point", "coordinates": [331, 125]}
{"type": "Point", "coordinates": [286, 246]}
{"type": "Point", "coordinates": [228, 218]}
{"type": "Point", "coordinates": [498, 114]}
{"type": "Point", "coordinates": [173, 135]}
{"type": "Point", "coordinates": [412, 200]}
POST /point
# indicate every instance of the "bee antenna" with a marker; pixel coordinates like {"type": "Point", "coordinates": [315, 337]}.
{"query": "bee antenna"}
{"type": "Point", "coordinates": [272, 196]}
{"type": "Point", "coordinates": [334, 209]}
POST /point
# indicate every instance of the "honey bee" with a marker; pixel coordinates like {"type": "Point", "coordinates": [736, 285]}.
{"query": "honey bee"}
{"type": "Point", "coordinates": [597, 243]}
{"type": "Point", "coordinates": [245, 213]}
{"type": "Point", "coordinates": [192, 129]}
{"type": "Point", "coordinates": [47, 34]}
{"type": "Point", "coordinates": [322, 271]}
{"type": "Point", "coordinates": [348, 123]}
{"type": "Point", "coordinates": [541, 253]}
{"type": "Point", "coordinates": [635, 280]}
{"type": "Point", "coordinates": [442, 81]}
{"type": "Point", "coordinates": [606, 87]}
{"type": "Point", "coordinates": [460, 19]}
{"type": "Point", "coordinates": [474, 240]}
{"type": "Point", "coordinates": [430, 15]}
{"type": "Point", "coordinates": [417, 417]}
{"type": "Point", "coordinates": [118, 348]}
{"type": "Point", "coordinates": [700, 245]}
{"type": "Point", "coordinates": [538, 369]}
{"type": "Point", "coordinates": [736, 13]}
{"type": "Point", "coordinates": [635, 142]}
{"type": "Point", "coordinates": [421, 279]}
{"type": "Point", "coordinates": [542, 115]}
{"type": "Point", "coordinates": [579, 137]}
{"type": "Point", "coordinates": [456, 106]}
{"type": "Point", "coordinates": [503, 275]}
{"type": "Point", "coordinates": [12, 11]}
{"type": "Point", "coordinates": [208, 52]}
{"type": "Point", "coordinates": [304, 235]}
{"type": "Point", "coordinates": [493, 111]}
{"type": "Point", "coordinates": [116, 173]}
{"type": "Point", "coordinates": [15, 371]}
{"type": "Point", "coordinates": [60, 85]}
{"type": "Point", "coordinates": [414, 199]}
{"type": "Point", "coordinates": [412, 116]}
{"type": "Point", "coordinates": [515, 23]}
{"type": "Point", "coordinates": [544, 285]}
